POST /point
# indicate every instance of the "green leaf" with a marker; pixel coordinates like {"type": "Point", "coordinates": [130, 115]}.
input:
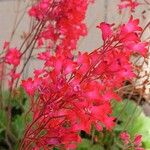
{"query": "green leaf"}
{"type": "Point", "coordinates": [6, 98]}
{"type": "Point", "coordinates": [144, 129]}
{"type": "Point", "coordinates": [18, 126]}
{"type": "Point", "coordinates": [84, 145]}
{"type": "Point", "coordinates": [3, 119]}
{"type": "Point", "coordinates": [26, 106]}
{"type": "Point", "coordinates": [96, 147]}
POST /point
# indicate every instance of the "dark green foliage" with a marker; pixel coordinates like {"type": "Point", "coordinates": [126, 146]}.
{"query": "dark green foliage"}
{"type": "Point", "coordinates": [12, 124]}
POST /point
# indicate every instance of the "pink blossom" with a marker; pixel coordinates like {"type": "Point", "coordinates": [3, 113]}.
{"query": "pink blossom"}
{"type": "Point", "coordinates": [106, 30]}
{"type": "Point", "coordinates": [131, 26]}
{"type": "Point", "coordinates": [138, 140]}
{"type": "Point", "coordinates": [125, 137]}
{"type": "Point", "coordinates": [13, 56]}
{"type": "Point", "coordinates": [131, 4]}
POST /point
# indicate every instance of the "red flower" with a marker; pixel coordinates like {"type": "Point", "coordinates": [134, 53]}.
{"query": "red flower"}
{"type": "Point", "coordinates": [138, 140]}
{"type": "Point", "coordinates": [139, 148]}
{"type": "Point", "coordinates": [75, 92]}
{"type": "Point", "coordinates": [125, 137]}
{"type": "Point", "coordinates": [13, 56]}
{"type": "Point", "coordinates": [6, 45]}
{"type": "Point", "coordinates": [131, 26]}
{"type": "Point", "coordinates": [14, 75]}
{"type": "Point", "coordinates": [131, 4]}
{"type": "Point", "coordinates": [139, 47]}
{"type": "Point", "coordinates": [30, 85]}
{"type": "Point", "coordinates": [106, 30]}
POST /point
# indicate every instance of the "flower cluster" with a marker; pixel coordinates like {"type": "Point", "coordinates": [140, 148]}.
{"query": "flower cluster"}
{"type": "Point", "coordinates": [73, 93]}
{"type": "Point", "coordinates": [135, 144]}
{"type": "Point", "coordinates": [131, 4]}
{"type": "Point", "coordinates": [65, 23]}
{"type": "Point", "coordinates": [12, 58]}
